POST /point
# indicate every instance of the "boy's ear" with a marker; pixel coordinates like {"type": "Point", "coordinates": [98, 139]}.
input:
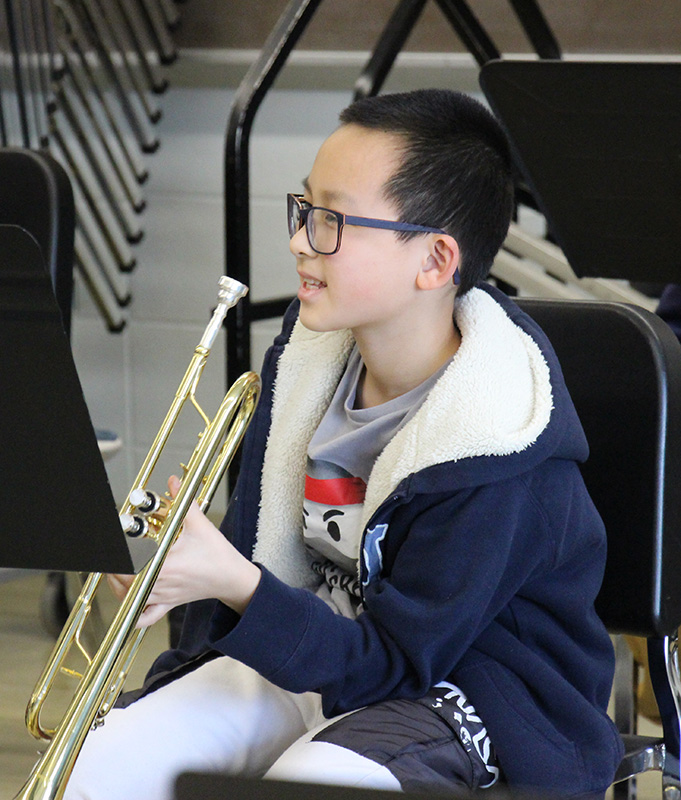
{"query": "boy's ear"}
{"type": "Point", "coordinates": [442, 261]}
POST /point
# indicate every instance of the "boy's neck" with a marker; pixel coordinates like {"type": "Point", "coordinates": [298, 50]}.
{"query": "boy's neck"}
{"type": "Point", "coordinates": [395, 366]}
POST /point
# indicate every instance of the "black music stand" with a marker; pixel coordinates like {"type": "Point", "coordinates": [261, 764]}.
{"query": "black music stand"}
{"type": "Point", "coordinates": [600, 147]}
{"type": "Point", "coordinates": [216, 786]}
{"type": "Point", "coordinates": [211, 786]}
{"type": "Point", "coordinates": [57, 511]}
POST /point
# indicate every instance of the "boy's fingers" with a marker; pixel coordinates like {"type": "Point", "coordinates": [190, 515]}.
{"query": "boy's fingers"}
{"type": "Point", "coordinates": [174, 484]}
{"type": "Point", "coordinates": [152, 614]}
{"type": "Point", "coordinates": [119, 584]}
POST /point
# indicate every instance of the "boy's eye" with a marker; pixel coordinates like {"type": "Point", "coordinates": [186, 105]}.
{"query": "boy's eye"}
{"type": "Point", "coordinates": [334, 531]}
{"type": "Point", "coordinates": [330, 219]}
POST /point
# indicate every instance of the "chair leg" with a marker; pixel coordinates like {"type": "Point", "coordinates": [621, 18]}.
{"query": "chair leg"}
{"type": "Point", "coordinates": [625, 712]}
{"type": "Point", "coordinates": [663, 656]}
{"type": "Point", "coordinates": [671, 790]}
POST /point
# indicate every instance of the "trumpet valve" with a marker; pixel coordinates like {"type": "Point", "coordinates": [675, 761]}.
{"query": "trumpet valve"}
{"type": "Point", "coordinates": [147, 513]}
{"type": "Point", "coordinates": [134, 525]}
{"type": "Point", "coordinates": [148, 502]}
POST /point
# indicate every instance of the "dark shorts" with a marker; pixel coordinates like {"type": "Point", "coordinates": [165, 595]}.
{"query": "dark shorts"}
{"type": "Point", "coordinates": [437, 742]}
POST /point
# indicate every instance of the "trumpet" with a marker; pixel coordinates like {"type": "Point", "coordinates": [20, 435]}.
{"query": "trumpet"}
{"type": "Point", "coordinates": [142, 513]}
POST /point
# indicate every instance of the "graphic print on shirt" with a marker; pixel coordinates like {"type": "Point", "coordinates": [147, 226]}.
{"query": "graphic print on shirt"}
{"type": "Point", "coordinates": [373, 554]}
{"type": "Point", "coordinates": [332, 512]}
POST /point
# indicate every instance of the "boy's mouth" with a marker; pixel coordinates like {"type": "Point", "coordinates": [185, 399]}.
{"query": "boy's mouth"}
{"type": "Point", "coordinates": [311, 283]}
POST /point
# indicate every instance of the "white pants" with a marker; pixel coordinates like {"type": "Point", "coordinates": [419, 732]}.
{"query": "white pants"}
{"type": "Point", "coordinates": [221, 717]}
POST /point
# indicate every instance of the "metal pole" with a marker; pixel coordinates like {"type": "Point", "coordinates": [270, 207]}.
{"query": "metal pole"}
{"type": "Point", "coordinates": [249, 95]}
{"type": "Point", "coordinates": [138, 121]}
{"type": "Point", "coordinates": [537, 28]}
{"type": "Point", "coordinates": [469, 30]}
{"type": "Point", "coordinates": [17, 72]}
{"type": "Point", "coordinates": [144, 49]}
{"type": "Point", "coordinates": [393, 38]}
{"type": "Point", "coordinates": [73, 47]}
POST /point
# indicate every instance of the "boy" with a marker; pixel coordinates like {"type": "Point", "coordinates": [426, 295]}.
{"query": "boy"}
{"type": "Point", "coordinates": [405, 595]}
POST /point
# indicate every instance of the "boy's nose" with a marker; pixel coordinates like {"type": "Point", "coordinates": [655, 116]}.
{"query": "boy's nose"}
{"type": "Point", "coordinates": [300, 245]}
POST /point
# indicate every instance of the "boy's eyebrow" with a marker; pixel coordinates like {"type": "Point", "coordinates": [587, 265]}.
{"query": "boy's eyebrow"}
{"type": "Point", "coordinates": [328, 196]}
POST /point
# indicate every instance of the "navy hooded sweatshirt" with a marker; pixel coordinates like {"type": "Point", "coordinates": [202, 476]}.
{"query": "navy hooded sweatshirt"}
{"type": "Point", "coordinates": [480, 563]}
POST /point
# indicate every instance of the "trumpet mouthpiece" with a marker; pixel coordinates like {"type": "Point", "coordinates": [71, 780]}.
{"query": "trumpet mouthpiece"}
{"type": "Point", "coordinates": [231, 291]}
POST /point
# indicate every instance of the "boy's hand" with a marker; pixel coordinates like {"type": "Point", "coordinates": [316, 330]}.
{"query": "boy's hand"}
{"type": "Point", "coordinates": [201, 564]}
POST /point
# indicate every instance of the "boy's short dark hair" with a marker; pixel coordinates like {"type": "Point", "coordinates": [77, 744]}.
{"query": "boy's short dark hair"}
{"type": "Point", "coordinates": [456, 170]}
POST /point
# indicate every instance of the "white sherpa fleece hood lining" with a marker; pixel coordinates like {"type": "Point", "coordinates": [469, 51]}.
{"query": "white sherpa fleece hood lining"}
{"type": "Point", "coordinates": [494, 399]}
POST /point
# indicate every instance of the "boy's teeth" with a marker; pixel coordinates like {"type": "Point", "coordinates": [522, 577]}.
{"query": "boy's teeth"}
{"type": "Point", "coordinates": [312, 282]}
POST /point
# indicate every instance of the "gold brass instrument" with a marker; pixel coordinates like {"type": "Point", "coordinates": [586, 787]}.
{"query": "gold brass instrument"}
{"type": "Point", "coordinates": [161, 519]}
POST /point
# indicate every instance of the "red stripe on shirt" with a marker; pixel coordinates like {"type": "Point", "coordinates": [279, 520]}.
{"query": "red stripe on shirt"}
{"type": "Point", "coordinates": [335, 491]}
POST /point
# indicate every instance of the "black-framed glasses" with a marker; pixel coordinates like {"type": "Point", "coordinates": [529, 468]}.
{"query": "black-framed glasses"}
{"type": "Point", "coordinates": [324, 226]}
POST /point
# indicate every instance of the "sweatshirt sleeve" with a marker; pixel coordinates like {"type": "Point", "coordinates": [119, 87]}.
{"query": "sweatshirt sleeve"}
{"type": "Point", "coordinates": [457, 562]}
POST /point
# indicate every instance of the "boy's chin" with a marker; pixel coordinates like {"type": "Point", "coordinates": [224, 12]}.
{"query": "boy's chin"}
{"type": "Point", "coordinates": [315, 328]}
{"type": "Point", "coordinates": [315, 322]}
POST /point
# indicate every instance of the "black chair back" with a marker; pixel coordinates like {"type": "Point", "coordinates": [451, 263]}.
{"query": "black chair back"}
{"type": "Point", "coordinates": [622, 366]}
{"type": "Point", "coordinates": [36, 195]}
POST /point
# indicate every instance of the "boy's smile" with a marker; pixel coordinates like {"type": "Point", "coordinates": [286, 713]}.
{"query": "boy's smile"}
{"type": "Point", "coordinates": [309, 286]}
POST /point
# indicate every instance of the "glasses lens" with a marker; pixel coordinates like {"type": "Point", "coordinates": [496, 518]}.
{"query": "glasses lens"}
{"type": "Point", "coordinates": [322, 230]}
{"type": "Point", "coordinates": [294, 221]}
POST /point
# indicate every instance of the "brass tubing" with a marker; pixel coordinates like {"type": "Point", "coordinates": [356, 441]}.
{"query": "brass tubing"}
{"type": "Point", "coordinates": [105, 675]}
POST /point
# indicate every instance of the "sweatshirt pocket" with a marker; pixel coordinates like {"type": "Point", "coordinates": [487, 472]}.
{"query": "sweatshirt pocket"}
{"type": "Point", "coordinates": [533, 753]}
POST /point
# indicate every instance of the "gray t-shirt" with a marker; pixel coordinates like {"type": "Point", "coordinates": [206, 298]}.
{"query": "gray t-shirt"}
{"type": "Point", "coordinates": [341, 456]}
